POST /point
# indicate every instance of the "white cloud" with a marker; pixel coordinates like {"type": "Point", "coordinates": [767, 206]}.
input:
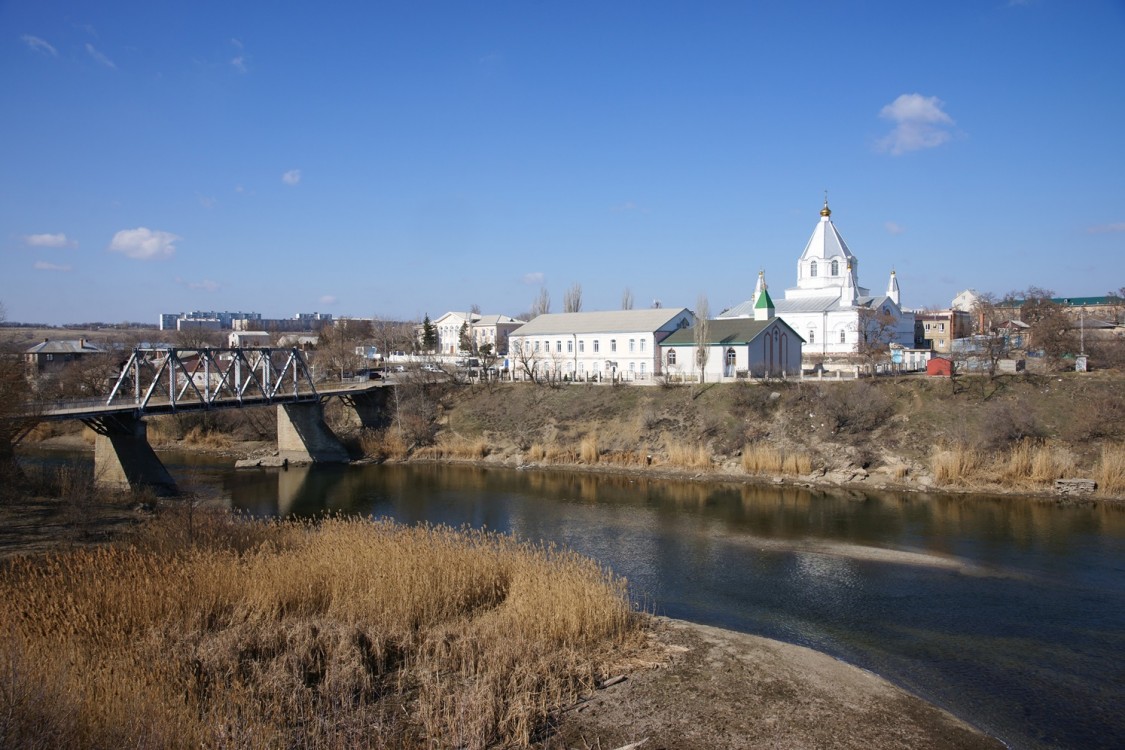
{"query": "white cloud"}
{"type": "Point", "coordinates": [41, 265]}
{"type": "Point", "coordinates": [239, 63]}
{"type": "Point", "coordinates": [292, 177]}
{"type": "Point", "coordinates": [144, 244]}
{"type": "Point", "coordinates": [206, 285]}
{"type": "Point", "coordinates": [48, 240]}
{"type": "Point", "coordinates": [920, 122]}
{"type": "Point", "coordinates": [99, 56]}
{"type": "Point", "coordinates": [39, 45]}
{"type": "Point", "coordinates": [628, 206]}
{"type": "Point", "coordinates": [534, 278]}
{"type": "Point", "coordinates": [207, 201]}
{"type": "Point", "coordinates": [893, 228]}
{"type": "Point", "coordinates": [328, 299]}
{"type": "Point", "coordinates": [1107, 228]}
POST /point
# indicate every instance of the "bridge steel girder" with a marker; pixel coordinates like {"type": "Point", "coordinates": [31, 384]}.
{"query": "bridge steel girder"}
{"type": "Point", "coordinates": [230, 376]}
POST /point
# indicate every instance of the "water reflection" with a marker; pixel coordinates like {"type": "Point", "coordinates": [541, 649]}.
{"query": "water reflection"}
{"type": "Point", "coordinates": [1009, 612]}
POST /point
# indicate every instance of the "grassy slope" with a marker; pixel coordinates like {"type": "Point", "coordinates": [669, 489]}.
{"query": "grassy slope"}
{"type": "Point", "coordinates": [894, 426]}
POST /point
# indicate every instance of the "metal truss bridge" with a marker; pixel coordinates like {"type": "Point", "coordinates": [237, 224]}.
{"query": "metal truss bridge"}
{"type": "Point", "coordinates": [171, 380]}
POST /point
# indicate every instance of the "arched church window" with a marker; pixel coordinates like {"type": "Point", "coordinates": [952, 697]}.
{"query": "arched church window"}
{"type": "Point", "coordinates": [812, 268]}
{"type": "Point", "coordinates": [671, 356]}
{"type": "Point", "coordinates": [835, 268]}
{"type": "Point", "coordinates": [842, 336]}
{"type": "Point", "coordinates": [812, 336]}
{"type": "Point", "coordinates": [730, 357]}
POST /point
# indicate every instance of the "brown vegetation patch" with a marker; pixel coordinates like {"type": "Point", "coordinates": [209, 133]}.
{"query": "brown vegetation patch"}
{"type": "Point", "coordinates": [339, 634]}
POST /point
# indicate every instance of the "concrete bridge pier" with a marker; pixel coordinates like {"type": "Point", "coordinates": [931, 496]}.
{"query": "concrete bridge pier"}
{"type": "Point", "coordinates": [369, 408]}
{"type": "Point", "coordinates": [303, 437]}
{"type": "Point", "coordinates": [124, 458]}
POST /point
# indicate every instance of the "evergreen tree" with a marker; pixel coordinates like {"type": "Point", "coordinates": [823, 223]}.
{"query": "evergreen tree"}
{"type": "Point", "coordinates": [429, 335]}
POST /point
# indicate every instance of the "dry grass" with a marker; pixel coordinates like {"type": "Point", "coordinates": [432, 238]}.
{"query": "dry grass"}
{"type": "Point", "coordinates": [1111, 470]}
{"type": "Point", "coordinates": [764, 459]}
{"type": "Point", "coordinates": [383, 444]}
{"type": "Point", "coordinates": [688, 456]}
{"type": "Point", "coordinates": [1029, 462]}
{"type": "Point", "coordinates": [455, 447]}
{"type": "Point", "coordinates": [199, 437]}
{"type": "Point", "coordinates": [955, 464]}
{"type": "Point", "coordinates": [341, 634]}
{"type": "Point", "coordinates": [588, 449]}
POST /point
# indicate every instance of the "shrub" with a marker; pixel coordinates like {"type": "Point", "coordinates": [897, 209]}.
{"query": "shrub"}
{"type": "Point", "coordinates": [853, 408]}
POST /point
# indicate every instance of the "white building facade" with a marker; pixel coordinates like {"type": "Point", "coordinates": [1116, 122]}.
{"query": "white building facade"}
{"type": "Point", "coordinates": [594, 346]}
{"type": "Point", "coordinates": [481, 329]}
{"type": "Point", "coordinates": [764, 346]}
{"type": "Point", "coordinates": [833, 314]}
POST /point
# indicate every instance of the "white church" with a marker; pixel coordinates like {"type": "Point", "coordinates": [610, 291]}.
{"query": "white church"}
{"type": "Point", "coordinates": [828, 307]}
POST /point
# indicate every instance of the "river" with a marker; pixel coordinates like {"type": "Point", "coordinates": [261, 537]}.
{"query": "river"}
{"type": "Point", "coordinates": [1008, 612]}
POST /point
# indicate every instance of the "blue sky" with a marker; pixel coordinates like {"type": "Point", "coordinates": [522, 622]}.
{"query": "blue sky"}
{"type": "Point", "coordinates": [399, 158]}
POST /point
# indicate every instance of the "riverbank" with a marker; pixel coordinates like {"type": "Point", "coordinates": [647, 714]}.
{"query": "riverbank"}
{"type": "Point", "coordinates": [1011, 435]}
{"type": "Point", "coordinates": [681, 686]}
{"type": "Point", "coordinates": [716, 689]}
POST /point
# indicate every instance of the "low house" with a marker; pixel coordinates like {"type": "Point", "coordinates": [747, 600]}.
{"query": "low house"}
{"type": "Point", "coordinates": [594, 346]}
{"type": "Point", "coordinates": [52, 356]}
{"type": "Point", "coordinates": [764, 346]}
{"type": "Point", "coordinates": [248, 338]}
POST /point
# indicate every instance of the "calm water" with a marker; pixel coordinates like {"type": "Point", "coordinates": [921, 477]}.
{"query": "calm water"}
{"type": "Point", "coordinates": [1010, 613]}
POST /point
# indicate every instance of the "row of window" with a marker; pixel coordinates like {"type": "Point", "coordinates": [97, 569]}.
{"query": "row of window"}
{"type": "Point", "coordinates": [835, 268]}
{"type": "Point", "coordinates": [569, 367]}
{"type": "Point", "coordinates": [843, 336]}
{"type": "Point", "coordinates": [545, 346]}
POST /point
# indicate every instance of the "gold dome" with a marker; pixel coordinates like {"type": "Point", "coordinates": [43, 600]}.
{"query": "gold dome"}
{"type": "Point", "coordinates": [826, 211]}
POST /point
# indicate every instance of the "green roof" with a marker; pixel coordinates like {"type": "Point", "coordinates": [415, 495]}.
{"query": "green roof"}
{"type": "Point", "coordinates": [726, 331]}
{"type": "Point", "coordinates": [764, 301]}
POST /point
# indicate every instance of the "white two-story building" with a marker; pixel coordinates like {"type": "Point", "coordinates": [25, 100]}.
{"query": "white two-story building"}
{"type": "Point", "coordinates": [594, 346]}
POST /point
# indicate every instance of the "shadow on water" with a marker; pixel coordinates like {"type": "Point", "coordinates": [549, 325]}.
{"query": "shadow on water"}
{"type": "Point", "coordinates": [1008, 612]}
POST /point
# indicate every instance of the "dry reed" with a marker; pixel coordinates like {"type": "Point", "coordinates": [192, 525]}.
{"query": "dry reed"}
{"type": "Point", "coordinates": [588, 449]}
{"type": "Point", "coordinates": [764, 459]}
{"type": "Point", "coordinates": [383, 444]}
{"type": "Point", "coordinates": [955, 464]}
{"type": "Point", "coordinates": [1111, 470]}
{"type": "Point", "coordinates": [688, 456]}
{"type": "Point", "coordinates": [340, 634]}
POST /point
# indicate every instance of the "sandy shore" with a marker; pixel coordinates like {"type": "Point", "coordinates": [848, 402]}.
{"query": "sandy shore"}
{"type": "Point", "coordinates": [718, 689]}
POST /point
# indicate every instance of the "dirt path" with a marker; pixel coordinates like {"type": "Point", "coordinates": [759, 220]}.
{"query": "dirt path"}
{"type": "Point", "coordinates": [719, 689]}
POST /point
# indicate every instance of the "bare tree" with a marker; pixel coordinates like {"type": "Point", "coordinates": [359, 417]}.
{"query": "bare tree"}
{"type": "Point", "coordinates": [541, 305]}
{"type": "Point", "coordinates": [876, 328]}
{"type": "Point", "coordinates": [525, 358]}
{"type": "Point", "coordinates": [337, 344]}
{"type": "Point", "coordinates": [15, 405]}
{"type": "Point", "coordinates": [572, 300]}
{"type": "Point", "coordinates": [193, 337]}
{"type": "Point", "coordinates": [474, 309]}
{"type": "Point", "coordinates": [391, 335]}
{"type": "Point", "coordinates": [627, 299]}
{"type": "Point", "coordinates": [702, 335]}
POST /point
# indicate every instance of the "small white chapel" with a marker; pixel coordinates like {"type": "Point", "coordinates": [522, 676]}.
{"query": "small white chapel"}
{"type": "Point", "coordinates": [827, 305]}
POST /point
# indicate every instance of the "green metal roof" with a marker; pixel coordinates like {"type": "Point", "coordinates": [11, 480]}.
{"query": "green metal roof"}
{"type": "Point", "coordinates": [726, 332]}
{"type": "Point", "coordinates": [764, 302]}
